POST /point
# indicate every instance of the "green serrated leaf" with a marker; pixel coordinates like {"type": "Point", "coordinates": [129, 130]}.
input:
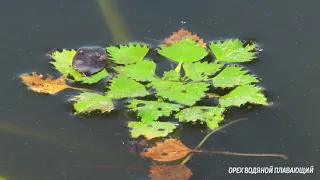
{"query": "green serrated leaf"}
{"type": "Point", "coordinates": [171, 75]}
{"type": "Point", "coordinates": [94, 77]}
{"type": "Point", "coordinates": [140, 71]}
{"type": "Point", "coordinates": [232, 51]}
{"type": "Point", "coordinates": [122, 87]}
{"type": "Point", "coordinates": [233, 76]}
{"type": "Point", "coordinates": [210, 115]}
{"type": "Point", "coordinates": [87, 102]}
{"type": "Point", "coordinates": [151, 130]}
{"type": "Point", "coordinates": [63, 63]}
{"type": "Point", "coordinates": [127, 54]}
{"type": "Point", "coordinates": [243, 94]}
{"type": "Point", "coordinates": [199, 71]}
{"type": "Point", "coordinates": [161, 85]}
{"type": "Point", "coordinates": [186, 50]}
{"type": "Point", "coordinates": [151, 110]}
{"type": "Point", "coordinates": [187, 94]}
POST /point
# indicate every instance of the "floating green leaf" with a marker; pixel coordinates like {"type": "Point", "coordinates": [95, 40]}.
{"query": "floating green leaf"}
{"type": "Point", "coordinates": [122, 87]}
{"type": "Point", "coordinates": [171, 75]}
{"type": "Point", "coordinates": [94, 77]}
{"type": "Point", "coordinates": [140, 71]}
{"type": "Point", "coordinates": [243, 94]}
{"type": "Point", "coordinates": [161, 85]}
{"type": "Point", "coordinates": [199, 71]}
{"type": "Point", "coordinates": [232, 51]}
{"type": "Point", "coordinates": [233, 76]}
{"type": "Point", "coordinates": [63, 63]}
{"type": "Point", "coordinates": [87, 102]}
{"type": "Point", "coordinates": [210, 115]}
{"type": "Point", "coordinates": [151, 130]}
{"type": "Point", "coordinates": [152, 110]}
{"type": "Point", "coordinates": [187, 94]}
{"type": "Point", "coordinates": [127, 54]}
{"type": "Point", "coordinates": [186, 50]}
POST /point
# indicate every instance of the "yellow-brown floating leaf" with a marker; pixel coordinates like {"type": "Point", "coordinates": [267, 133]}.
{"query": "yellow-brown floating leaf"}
{"type": "Point", "coordinates": [183, 34]}
{"type": "Point", "coordinates": [169, 150]}
{"type": "Point", "coordinates": [49, 85]}
{"type": "Point", "coordinates": [176, 172]}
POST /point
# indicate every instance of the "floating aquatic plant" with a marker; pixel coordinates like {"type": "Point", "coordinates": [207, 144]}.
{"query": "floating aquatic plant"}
{"type": "Point", "coordinates": [175, 94]}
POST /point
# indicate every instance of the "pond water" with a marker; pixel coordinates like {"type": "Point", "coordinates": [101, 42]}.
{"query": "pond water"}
{"type": "Point", "coordinates": [41, 139]}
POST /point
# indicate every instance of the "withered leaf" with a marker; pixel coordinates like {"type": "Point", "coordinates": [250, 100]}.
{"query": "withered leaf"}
{"type": "Point", "coordinates": [49, 85]}
{"type": "Point", "coordinates": [89, 60]}
{"type": "Point", "coordinates": [175, 172]}
{"type": "Point", "coordinates": [183, 34]}
{"type": "Point", "coordinates": [169, 150]}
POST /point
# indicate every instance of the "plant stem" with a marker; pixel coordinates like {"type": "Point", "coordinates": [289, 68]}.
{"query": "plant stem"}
{"type": "Point", "coordinates": [212, 95]}
{"type": "Point", "coordinates": [87, 90]}
{"type": "Point", "coordinates": [219, 128]}
{"type": "Point", "coordinates": [178, 68]}
{"type": "Point", "coordinates": [241, 154]}
{"type": "Point", "coordinates": [208, 135]}
{"type": "Point", "coordinates": [114, 21]}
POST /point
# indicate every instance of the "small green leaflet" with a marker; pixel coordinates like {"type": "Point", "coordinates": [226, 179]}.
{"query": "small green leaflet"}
{"type": "Point", "coordinates": [94, 77]}
{"type": "Point", "coordinates": [152, 110]}
{"type": "Point", "coordinates": [140, 71]}
{"type": "Point", "coordinates": [210, 115]}
{"type": "Point", "coordinates": [232, 51]}
{"type": "Point", "coordinates": [127, 54]}
{"type": "Point", "coordinates": [199, 71]}
{"type": "Point", "coordinates": [186, 50]}
{"type": "Point", "coordinates": [169, 80]}
{"type": "Point", "coordinates": [243, 94]}
{"type": "Point", "coordinates": [187, 94]}
{"type": "Point", "coordinates": [122, 87]}
{"type": "Point", "coordinates": [63, 63]}
{"type": "Point", "coordinates": [87, 102]}
{"type": "Point", "coordinates": [151, 130]}
{"type": "Point", "coordinates": [2, 178]}
{"type": "Point", "coordinates": [233, 76]}
{"type": "Point", "coordinates": [161, 85]}
{"type": "Point", "coordinates": [171, 75]}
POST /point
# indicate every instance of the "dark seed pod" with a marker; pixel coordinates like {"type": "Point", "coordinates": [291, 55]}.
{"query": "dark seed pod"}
{"type": "Point", "coordinates": [90, 60]}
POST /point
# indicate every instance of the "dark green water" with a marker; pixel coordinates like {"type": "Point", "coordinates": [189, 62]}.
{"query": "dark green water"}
{"type": "Point", "coordinates": [41, 140]}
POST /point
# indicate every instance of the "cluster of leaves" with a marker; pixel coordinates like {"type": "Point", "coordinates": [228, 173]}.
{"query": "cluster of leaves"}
{"type": "Point", "coordinates": [177, 92]}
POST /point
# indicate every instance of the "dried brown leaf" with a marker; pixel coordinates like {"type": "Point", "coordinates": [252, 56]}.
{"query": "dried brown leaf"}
{"type": "Point", "coordinates": [175, 172]}
{"type": "Point", "coordinates": [49, 85]}
{"type": "Point", "coordinates": [169, 150]}
{"type": "Point", "coordinates": [183, 34]}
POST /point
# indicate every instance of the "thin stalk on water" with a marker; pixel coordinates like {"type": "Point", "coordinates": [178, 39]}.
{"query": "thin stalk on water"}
{"type": "Point", "coordinates": [87, 90]}
{"type": "Point", "coordinates": [212, 95]}
{"type": "Point", "coordinates": [226, 152]}
{"type": "Point", "coordinates": [241, 154]}
{"type": "Point", "coordinates": [208, 135]}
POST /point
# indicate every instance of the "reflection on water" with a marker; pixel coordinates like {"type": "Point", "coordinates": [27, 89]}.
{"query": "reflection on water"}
{"type": "Point", "coordinates": [114, 21]}
{"type": "Point", "coordinates": [49, 137]}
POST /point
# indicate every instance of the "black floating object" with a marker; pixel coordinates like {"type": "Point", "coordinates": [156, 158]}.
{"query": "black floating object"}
{"type": "Point", "coordinates": [90, 60]}
{"type": "Point", "coordinates": [136, 146]}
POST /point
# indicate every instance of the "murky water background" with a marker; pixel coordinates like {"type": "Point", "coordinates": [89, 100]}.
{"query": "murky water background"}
{"type": "Point", "coordinates": [41, 139]}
